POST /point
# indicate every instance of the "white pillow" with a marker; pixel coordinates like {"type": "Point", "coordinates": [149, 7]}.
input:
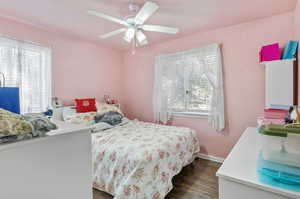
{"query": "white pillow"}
{"type": "Point", "coordinates": [70, 115]}
{"type": "Point", "coordinates": [68, 112]}
{"type": "Point", "coordinates": [104, 108]}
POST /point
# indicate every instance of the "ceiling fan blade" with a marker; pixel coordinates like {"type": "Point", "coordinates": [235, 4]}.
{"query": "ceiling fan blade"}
{"type": "Point", "coordinates": [104, 16]}
{"type": "Point", "coordinates": [162, 29]}
{"type": "Point", "coordinates": [113, 33]}
{"type": "Point", "coordinates": [141, 38]}
{"type": "Point", "coordinates": [146, 11]}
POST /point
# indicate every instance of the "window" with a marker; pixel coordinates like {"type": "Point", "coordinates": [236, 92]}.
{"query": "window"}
{"type": "Point", "coordinates": [185, 84]}
{"type": "Point", "coordinates": [27, 66]}
{"type": "Point", "coordinates": [192, 90]}
{"type": "Point", "coordinates": [190, 82]}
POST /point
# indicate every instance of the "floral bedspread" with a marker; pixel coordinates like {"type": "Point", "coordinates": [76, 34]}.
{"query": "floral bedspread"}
{"type": "Point", "coordinates": [138, 160]}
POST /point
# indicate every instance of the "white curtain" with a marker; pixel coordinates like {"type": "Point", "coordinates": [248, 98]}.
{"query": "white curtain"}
{"type": "Point", "coordinates": [27, 66]}
{"type": "Point", "coordinates": [213, 70]}
{"type": "Point", "coordinates": [170, 74]}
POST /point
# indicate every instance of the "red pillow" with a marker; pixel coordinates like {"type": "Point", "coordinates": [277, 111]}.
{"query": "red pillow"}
{"type": "Point", "coordinates": [85, 105]}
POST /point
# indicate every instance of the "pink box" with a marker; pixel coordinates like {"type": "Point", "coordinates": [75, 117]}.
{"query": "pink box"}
{"type": "Point", "coordinates": [270, 52]}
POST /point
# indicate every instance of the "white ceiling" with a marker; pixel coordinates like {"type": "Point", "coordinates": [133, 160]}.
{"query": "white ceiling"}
{"type": "Point", "coordinates": [70, 16]}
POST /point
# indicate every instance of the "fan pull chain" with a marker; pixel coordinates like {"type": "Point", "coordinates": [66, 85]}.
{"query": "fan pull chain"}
{"type": "Point", "coordinates": [134, 44]}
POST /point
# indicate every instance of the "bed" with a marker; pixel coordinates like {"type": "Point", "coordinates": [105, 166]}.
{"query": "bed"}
{"type": "Point", "coordinates": [137, 160]}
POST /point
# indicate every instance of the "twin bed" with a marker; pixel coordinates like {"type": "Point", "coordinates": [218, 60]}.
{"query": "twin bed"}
{"type": "Point", "coordinates": [137, 160]}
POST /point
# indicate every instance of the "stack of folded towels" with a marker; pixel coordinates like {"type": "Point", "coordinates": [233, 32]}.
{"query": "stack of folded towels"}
{"type": "Point", "coordinates": [273, 115]}
{"type": "Point", "coordinates": [278, 114]}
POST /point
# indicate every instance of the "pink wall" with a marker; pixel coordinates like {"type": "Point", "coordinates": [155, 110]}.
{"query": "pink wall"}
{"type": "Point", "coordinates": [244, 77]}
{"type": "Point", "coordinates": [80, 68]}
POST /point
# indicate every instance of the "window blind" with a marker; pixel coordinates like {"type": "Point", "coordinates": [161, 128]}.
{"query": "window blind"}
{"type": "Point", "coordinates": [190, 82]}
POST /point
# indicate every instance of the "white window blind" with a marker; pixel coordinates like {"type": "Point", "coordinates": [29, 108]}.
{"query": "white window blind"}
{"type": "Point", "coordinates": [190, 82]}
{"type": "Point", "coordinates": [189, 89]}
{"type": "Point", "coordinates": [27, 66]}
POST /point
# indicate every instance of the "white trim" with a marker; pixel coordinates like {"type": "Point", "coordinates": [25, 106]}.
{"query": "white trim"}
{"type": "Point", "coordinates": [26, 41]}
{"type": "Point", "coordinates": [279, 60]}
{"type": "Point", "coordinates": [211, 158]}
{"type": "Point", "coordinates": [190, 114]}
{"type": "Point", "coordinates": [190, 51]}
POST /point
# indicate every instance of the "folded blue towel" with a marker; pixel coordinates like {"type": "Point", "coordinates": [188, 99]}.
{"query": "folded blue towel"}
{"type": "Point", "coordinates": [280, 107]}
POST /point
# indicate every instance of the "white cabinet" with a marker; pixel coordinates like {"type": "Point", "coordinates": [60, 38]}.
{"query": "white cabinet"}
{"type": "Point", "coordinates": [237, 175]}
{"type": "Point", "coordinates": [53, 167]}
{"type": "Point", "coordinates": [280, 82]}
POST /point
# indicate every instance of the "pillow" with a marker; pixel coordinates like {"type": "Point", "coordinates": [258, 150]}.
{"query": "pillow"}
{"type": "Point", "coordinates": [68, 112]}
{"type": "Point", "coordinates": [86, 119]}
{"type": "Point", "coordinates": [111, 117]}
{"type": "Point", "coordinates": [70, 115]}
{"type": "Point", "coordinates": [85, 105]}
{"type": "Point", "coordinates": [104, 108]}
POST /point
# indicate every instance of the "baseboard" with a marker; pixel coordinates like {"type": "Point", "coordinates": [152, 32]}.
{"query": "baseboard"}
{"type": "Point", "coordinates": [211, 158]}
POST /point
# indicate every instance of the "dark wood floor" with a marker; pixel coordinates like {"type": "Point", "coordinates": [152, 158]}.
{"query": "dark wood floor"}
{"type": "Point", "coordinates": [196, 181]}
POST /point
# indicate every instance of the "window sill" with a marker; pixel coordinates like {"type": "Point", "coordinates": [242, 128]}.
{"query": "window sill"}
{"type": "Point", "coordinates": [190, 114]}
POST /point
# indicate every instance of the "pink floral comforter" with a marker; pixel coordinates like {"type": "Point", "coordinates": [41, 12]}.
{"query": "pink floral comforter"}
{"type": "Point", "coordinates": [138, 160]}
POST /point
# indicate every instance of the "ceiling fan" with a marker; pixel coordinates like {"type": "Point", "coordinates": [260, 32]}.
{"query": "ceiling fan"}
{"type": "Point", "coordinates": [134, 24]}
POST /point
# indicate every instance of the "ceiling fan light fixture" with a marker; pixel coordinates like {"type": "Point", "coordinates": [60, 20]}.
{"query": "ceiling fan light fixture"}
{"type": "Point", "coordinates": [143, 43]}
{"type": "Point", "coordinates": [140, 36]}
{"type": "Point", "coordinates": [130, 33]}
{"type": "Point", "coordinates": [127, 39]}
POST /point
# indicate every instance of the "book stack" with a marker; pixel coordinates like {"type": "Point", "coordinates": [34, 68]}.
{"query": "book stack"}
{"type": "Point", "coordinates": [275, 114]}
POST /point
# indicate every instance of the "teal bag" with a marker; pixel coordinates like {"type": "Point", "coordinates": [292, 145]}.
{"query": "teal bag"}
{"type": "Point", "coordinates": [290, 50]}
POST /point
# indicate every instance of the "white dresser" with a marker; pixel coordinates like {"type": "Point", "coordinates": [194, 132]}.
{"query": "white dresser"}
{"type": "Point", "coordinates": [58, 166]}
{"type": "Point", "coordinates": [237, 175]}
